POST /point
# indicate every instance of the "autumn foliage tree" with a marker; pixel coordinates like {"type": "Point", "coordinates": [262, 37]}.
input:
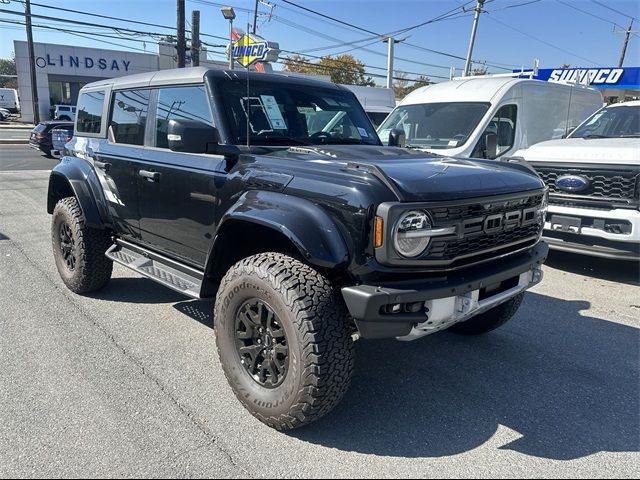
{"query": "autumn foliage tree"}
{"type": "Point", "coordinates": [342, 69]}
{"type": "Point", "coordinates": [403, 85]}
{"type": "Point", "coordinates": [8, 67]}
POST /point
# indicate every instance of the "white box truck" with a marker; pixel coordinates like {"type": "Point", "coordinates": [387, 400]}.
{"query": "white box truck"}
{"type": "Point", "coordinates": [488, 117]}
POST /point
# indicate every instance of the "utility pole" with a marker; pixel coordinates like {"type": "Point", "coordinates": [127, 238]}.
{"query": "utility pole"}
{"type": "Point", "coordinates": [474, 29]}
{"type": "Point", "coordinates": [181, 43]}
{"type": "Point", "coordinates": [624, 45]}
{"type": "Point", "coordinates": [32, 64]}
{"type": "Point", "coordinates": [391, 42]}
{"type": "Point", "coordinates": [195, 38]}
{"type": "Point", "coordinates": [255, 17]}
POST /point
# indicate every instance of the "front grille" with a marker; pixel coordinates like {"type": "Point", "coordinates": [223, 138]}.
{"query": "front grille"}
{"type": "Point", "coordinates": [461, 248]}
{"type": "Point", "coordinates": [449, 250]}
{"type": "Point", "coordinates": [450, 214]}
{"type": "Point", "coordinates": [611, 184]}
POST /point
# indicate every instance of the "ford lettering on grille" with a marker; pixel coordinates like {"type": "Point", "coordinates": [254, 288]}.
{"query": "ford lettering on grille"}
{"type": "Point", "coordinates": [499, 222]}
{"type": "Point", "coordinates": [572, 183]}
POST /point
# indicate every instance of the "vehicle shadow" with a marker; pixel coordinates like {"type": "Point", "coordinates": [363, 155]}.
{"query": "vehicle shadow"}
{"type": "Point", "coordinates": [566, 383]}
{"type": "Point", "coordinates": [136, 290]}
{"type": "Point", "coordinates": [621, 271]}
{"type": "Point", "coordinates": [199, 310]}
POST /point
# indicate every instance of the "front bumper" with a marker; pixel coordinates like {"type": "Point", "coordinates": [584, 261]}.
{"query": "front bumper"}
{"type": "Point", "coordinates": [589, 231]}
{"type": "Point", "coordinates": [450, 298]}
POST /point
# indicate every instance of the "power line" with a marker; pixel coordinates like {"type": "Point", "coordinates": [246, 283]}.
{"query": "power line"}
{"type": "Point", "coordinates": [540, 40]}
{"type": "Point", "coordinates": [614, 10]}
{"type": "Point", "coordinates": [588, 13]}
{"type": "Point", "coordinates": [404, 30]}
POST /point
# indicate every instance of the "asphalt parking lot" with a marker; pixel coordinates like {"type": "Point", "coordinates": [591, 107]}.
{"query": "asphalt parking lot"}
{"type": "Point", "coordinates": [126, 381]}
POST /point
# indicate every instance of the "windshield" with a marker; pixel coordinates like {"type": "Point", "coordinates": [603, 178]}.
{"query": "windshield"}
{"type": "Point", "coordinates": [281, 114]}
{"type": "Point", "coordinates": [435, 125]}
{"type": "Point", "coordinates": [621, 121]}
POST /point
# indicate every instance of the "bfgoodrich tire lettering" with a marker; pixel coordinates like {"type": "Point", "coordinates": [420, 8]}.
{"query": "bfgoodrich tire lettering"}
{"type": "Point", "coordinates": [314, 319]}
{"type": "Point", "coordinates": [489, 320]}
{"type": "Point", "coordinates": [79, 250]}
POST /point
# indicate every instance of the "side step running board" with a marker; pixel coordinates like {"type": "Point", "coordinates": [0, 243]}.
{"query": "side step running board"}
{"type": "Point", "coordinates": [167, 272]}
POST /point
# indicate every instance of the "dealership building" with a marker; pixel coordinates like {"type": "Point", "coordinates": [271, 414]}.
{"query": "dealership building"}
{"type": "Point", "coordinates": [62, 70]}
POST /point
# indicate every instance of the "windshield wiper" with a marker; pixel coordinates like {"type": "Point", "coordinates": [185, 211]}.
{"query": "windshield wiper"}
{"type": "Point", "coordinates": [338, 141]}
{"type": "Point", "coordinates": [278, 138]}
{"type": "Point", "coordinates": [593, 135]}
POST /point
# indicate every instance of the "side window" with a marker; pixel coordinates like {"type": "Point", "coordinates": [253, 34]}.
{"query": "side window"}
{"type": "Point", "coordinates": [503, 125]}
{"type": "Point", "coordinates": [180, 103]}
{"type": "Point", "coordinates": [129, 116]}
{"type": "Point", "coordinates": [90, 112]}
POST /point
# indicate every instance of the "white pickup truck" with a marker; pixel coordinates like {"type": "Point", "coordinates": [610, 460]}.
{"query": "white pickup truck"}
{"type": "Point", "coordinates": [594, 184]}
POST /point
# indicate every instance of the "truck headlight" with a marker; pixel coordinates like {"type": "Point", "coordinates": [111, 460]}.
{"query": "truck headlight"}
{"type": "Point", "coordinates": [412, 233]}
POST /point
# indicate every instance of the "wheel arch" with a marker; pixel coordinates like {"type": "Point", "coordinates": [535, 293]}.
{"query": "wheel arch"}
{"type": "Point", "coordinates": [73, 177]}
{"type": "Point", "coordinates": [269, 221]}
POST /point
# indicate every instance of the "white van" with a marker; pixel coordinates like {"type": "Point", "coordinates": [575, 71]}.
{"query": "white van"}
{"type": "Point", "coordinates": [488, 117]}
{"type": "Point", "coordinates": [9, 100]}
{"type": "Point", "coordinates": [378, 102]}
{"type": "Point", "coordinates": [594, 184]}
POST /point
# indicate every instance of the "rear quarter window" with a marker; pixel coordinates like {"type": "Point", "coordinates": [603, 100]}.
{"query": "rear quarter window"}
{"type": "Point", "coordinates": [90, 108]}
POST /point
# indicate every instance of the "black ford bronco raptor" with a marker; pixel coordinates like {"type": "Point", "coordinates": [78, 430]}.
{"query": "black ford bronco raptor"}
{"type": "Point", "coordinates": [274, 195]}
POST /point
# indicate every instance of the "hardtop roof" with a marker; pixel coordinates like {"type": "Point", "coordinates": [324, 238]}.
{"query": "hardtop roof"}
{"type": "Point", "coordinates": [191, 75]}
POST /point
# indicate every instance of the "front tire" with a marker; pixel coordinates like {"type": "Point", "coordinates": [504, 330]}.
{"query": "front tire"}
{"type": "Point", "coordinates": [283, 340]}
{"type": "Point", "coordinates": [489, 320]}
{"type": "Point", "coordinates": [78, 250]}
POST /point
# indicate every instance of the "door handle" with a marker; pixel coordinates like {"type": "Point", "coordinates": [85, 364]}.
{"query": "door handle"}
{"type": "Point", "coordinates": [102, 165]}
{"type": "Point", "coordinates": [150, 176]}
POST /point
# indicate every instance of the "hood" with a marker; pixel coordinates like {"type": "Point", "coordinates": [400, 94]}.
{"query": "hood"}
{"type": "Point", "coordinates": [624, 151]}
{"type": "Point", "coordinates": [419, 176]}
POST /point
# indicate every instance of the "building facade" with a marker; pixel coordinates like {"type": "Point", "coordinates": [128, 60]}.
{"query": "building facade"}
{"type": "Point", "coordinates": [62, 70]}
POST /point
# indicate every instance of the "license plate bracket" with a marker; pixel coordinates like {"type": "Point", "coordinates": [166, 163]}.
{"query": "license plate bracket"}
{"type": "Point", "coordinates": [566, 224]}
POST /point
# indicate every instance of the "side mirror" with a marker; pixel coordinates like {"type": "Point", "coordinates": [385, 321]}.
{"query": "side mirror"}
{"type": "Point", "coordinates": [491, 145]}
{"type": "Point", "coordinates": [397, 138]}
{"type": "Point", "coordinates": [191, 136]}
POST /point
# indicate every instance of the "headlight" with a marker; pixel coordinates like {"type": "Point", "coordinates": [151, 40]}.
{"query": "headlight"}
{"type": "Point", "coordinates": [411, 234]}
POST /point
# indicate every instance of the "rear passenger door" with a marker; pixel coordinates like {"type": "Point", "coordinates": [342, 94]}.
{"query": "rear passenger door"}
{"type": "Point", "coordinates": [120, 156]}
{"type": "Point", "coordinates": [178, 200]}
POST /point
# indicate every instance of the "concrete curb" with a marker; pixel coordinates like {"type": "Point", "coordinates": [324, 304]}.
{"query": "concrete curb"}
{"type": "Point", "coordinates": [12, 141]}
{"type": "Point", "coordinates": [10, 126]}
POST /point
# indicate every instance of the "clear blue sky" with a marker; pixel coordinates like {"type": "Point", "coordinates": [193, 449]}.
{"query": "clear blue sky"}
{"type": "Point", "coordinates": [511, 33]}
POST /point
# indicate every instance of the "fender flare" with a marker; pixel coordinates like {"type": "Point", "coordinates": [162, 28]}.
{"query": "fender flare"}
{"type": "Point", "coordinates": [75, 175]}
{"type": "Point", "coordinates": [306, 225]}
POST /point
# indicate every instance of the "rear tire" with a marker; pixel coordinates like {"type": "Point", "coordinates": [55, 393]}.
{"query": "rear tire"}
{"type": "Point", "coordinates": [489, 320]}
{"type": "Point", "coordinates": [283, 340]}
{"type": "Point", "coordinates": [78, 250]}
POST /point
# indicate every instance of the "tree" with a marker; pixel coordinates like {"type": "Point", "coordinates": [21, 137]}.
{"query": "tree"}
{"type": "Point", "coordinates": [404, 86]}
{"type": "Point", "coordinates": [8, 67]}
{"type": "Point", "coordinates": [342, 69]}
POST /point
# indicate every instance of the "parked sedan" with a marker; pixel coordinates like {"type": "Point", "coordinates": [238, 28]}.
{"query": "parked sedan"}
{"type": "Point", "coordinates": [41, 136]}
{"type": "Point", "coordinates": [59, 138]}
{"type": "Point", "coordinates": [4, 114]}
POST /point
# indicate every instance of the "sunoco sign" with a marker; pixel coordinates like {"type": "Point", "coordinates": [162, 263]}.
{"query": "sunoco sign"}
{"type": "Point", "coordinates": [606, 77]}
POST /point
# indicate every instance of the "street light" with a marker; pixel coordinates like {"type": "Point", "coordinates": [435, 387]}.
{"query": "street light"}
{"type": "Point", "coordinates": [229, 14]}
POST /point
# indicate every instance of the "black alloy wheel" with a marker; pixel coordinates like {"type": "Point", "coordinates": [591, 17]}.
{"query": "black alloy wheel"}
{"type": "Point", "coordinates": [67, 246]}
{"type": "Point", "coordinates": [261, 342]}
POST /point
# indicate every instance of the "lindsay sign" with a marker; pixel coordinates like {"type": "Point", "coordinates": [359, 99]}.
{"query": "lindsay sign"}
{"type": "Point", "coordinates": [76, 61]}
{"type": "Point", "coordinates": [69, 60]}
